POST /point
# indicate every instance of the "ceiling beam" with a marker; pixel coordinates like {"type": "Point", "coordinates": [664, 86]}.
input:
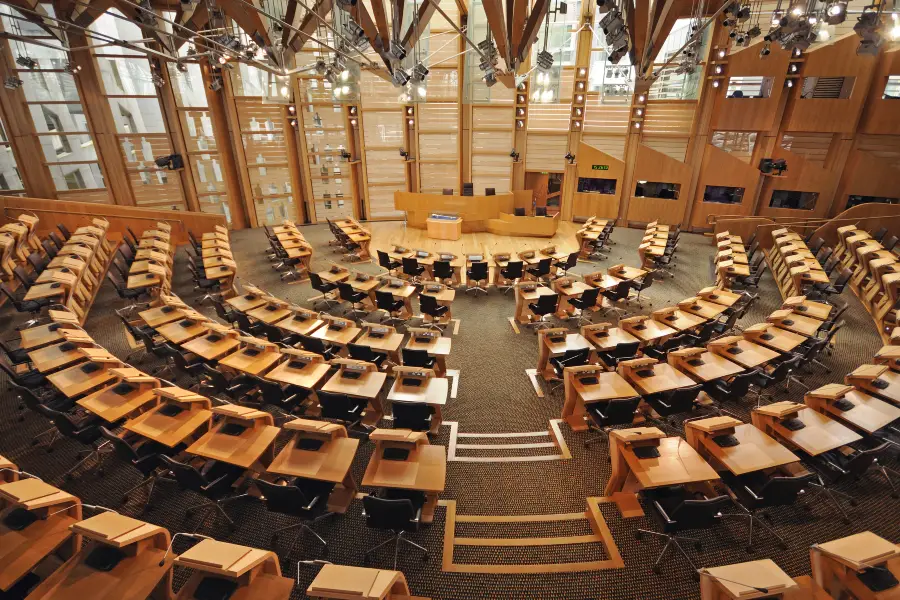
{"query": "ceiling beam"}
{"type": "Point", "coordinates": [45, 24]}
{"type": "Point", "coordinates": [517, 25]}
{"type": "Point", "coordinates": [290, 15]}
{"type": "Point", "coordinates": [251, 21]}
{"type": "Point", "coordinates": [529, 34]}
{"type": "Point", "coordinates": [496, 19]}
{"type": "Point", "coordinates": [414, 31]}
{"type": "Point", "coordinates": [381, 21]}
{"type": "Point", "coordinates": [309, 23]}
{"type": "Point", "coordinates": [364, 19]}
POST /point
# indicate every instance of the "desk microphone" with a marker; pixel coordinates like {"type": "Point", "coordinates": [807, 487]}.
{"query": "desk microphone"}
{"type": "Point", "coordinates": [94, 506]}
{"type": "Point", "coordinates": [310, 562]}
{"type": "Point", "coordinates": [29, 475]}
{"type": "Point", "coordinates": [761, 590]}
{"type": "Point", "coordinates": [193, 536]}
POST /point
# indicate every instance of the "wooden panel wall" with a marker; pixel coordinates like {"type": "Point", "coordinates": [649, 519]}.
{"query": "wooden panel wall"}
{"type": "Point", "coordinates": [868, 216]}
{"type": "Point", "coordinates": [750, 114]}
{"type": "Point", "coordinates": [721, 168]}
{"type": "Point", "coordinates": [605, 206]}
{"type": "Point", "coordinates": [880, 115]}
{"type": "Point", "coordinates": [651, 165]}
{"type": "Point", "coordinates": [800, 176]}
{"type": "Point", "coordinates": [867, 174]}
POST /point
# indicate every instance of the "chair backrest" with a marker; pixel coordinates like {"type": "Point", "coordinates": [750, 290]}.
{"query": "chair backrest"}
{"type": "Point", "coordinates": [37, 262]}
{"type": "Point", "coordinates": [548, 302]}
{"type": "Point", "coordinates": [575, 358]}
{"type": "Point", "coordinates": [122, 448]}
{"type": "Point", "coordinates": [23, 277]}
{"type": "Point", "coordinates": [410, 265]}
{"type": "Point", "coordinates": [7, 292]}
{"type": "Point", "coordinates": [860, 462]}
{"type": "Point", "coordinates": [620, 411]}
{"type": "Point", "coordinates": [412, 415]}
{"type": "Point", "coordinates": [540, 211]}
{"type": "Point", "coordinates": [816, 245]}
{"type": "Point", "coordinates": [589, 297]}
{"type": "Point", "coordinates": [384, 300]}
{"type": "Point", "coordinates": [284, 499]}
{"type": "Point", "coordinates": [478, 271]}
{"type": "Point", "coordinates": [833, 331]}
{"type": "Point", "coordinates": [340, 407]}
{"type": "Point", "coordinates": [890, 243]}
{"type": "Point", "coordinates": [782, 491]}
{"type": "Point", "coordinates": [313, 344]}
{"type": "Point", "coordinates": [621, 291]}
{"type": "Point", "coordinates": [442, 269]}
{"type": "Point", "coordinates": [428, 304]}
{"type": "Point", "coordinates": [625, 349]}
{"type": "Point", "coordinates": [221, 311]}
{"type": "Point", "coordinates": [842, 279]}
{"type": "Point", "coordinates": [49, 248]}
{"type": "Point", "coordinates": [243, 322]}
{"type": "Point", "coordinates": [698, 514]}
{"type": "Point", "coordinates": [346, 291]}
{"type": "Point", "coordinates": [125, 251]}
{"type": "Point", "coordinates": [316, 282]}
{"type": "Point", "coordinates": [682, 399]}
{"type": "Point", "coordinates": [414, 357]}
{"type": "Point", "coordinates": [273, 334]}
{"type": "Point", "coordinates": [543, 266]}
{"type": "Point", "coordinates": [879, 235]}
{"type": "Point", "coordinates": [739, 386]}
{"type": "Point", "coordinates": [215, 378]}
{"type": "Point", "coordinates": [824, 254]}
{"type": "Point", "coordinates": [361, 352]}
{"type": "Point", "coordinates": [383, 259]}
{"type": "Point", "coordinates": [64, 231]}
{"type": "Point", "coordinates": [392, 515]}
{"type": "Point", "coordinates": [187, 476]}
{"type": "Point", "coordinates": [54, 237]}
{"type": "Point", "coordinates": [783, 369]}
{"type": "Point", "coordinates": [514, 269]}
{"type": "Point", "coordinates": [830, 264]}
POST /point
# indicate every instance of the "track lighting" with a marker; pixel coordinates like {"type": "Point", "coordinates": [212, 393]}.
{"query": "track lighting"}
{"type": "Point", "coordinates": [12, 82]}
{"type": "Point", "coordinates": [399, 77]}
{"type": "Point", "coordinates": [26, 61]}
{"type": "Point", "coordinates": [514, 155]}
{"type": "Point", "coordinates": [216, 84]}
{"type": "Point", "coordinates": [570, 157]}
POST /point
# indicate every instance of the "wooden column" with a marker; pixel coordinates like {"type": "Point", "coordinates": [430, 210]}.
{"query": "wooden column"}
{"type": "Point", "coordinates": [582, 61]}
{"type": "Point", "coordinates": [233, 125]}
{"type": "Point", "coordinates": [176, 134]}
{"type": "Point", "coordinates": [101, 123]}
{"type": "Point", "coordinates": [291, 136]}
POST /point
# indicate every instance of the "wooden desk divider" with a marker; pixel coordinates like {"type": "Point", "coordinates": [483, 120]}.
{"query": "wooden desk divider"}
{"type": "Point", "coordinates": [838, 564]}
{"type": "Point", "coordinates": [627, 367]}
{"type": "Point", "coordinates": [634, 323]}
{"type": "Point", "coordinates": [256, 573]}
{"type": "Point", "coordinates": [247, 414]}
{"type": "Point", "coordinates": [8, 470]}
{"type": "Point", "coordinates": [22, 551]}
{"type": "Point", "coordinates": [342, 582]}
{"type": "Point", "coordinates": [132, 559]}
{"type": "Point", "coordinates": [756, 331]}
{"type": "Point", "coordinates": [865, 375]}
{"type": "Point", "coordinates": [676, 358]}
{"type": "Point", "coordinates": [100, 355]}
{"type": "Point", "coordinates": [179, 395]}
{"type": "Point", "coordinates": [888, 355]}
{"type": "Point", "coordinates": [336, 323]}
{"type": "Point", "coordinates": [755, 579]}
{"type": "Point", "coordinates": [695, 432]}
{"type": "Point", "coordinates": [595, 330]}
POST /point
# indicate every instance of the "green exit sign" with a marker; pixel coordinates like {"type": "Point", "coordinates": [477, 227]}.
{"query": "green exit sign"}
{"type": "Point", "coordinates": [600, 167]}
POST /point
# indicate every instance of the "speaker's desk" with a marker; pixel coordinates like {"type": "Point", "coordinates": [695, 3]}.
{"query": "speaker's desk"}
{"type": "Point", "coordinates": [443, 229]}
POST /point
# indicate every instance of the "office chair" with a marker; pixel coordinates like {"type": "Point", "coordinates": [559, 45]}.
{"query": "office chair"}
{"type": "Point", "coordinates": [816, 245]}
{"type": "Point", "coordinates": [143, 455]}
{"type": "Point", "coordinates": [64, 231]}
{"type": "Point", "coordinates": [191, 369]}
{"type": "Point", "coordinates": [124, 251]}
{"type": "Point", "coordinates": [384, 300]}
{"type": "Point", "coordinates": [675, 402]}
{"type": "Point", "coordinates": [890, 243]}
{"type": "Point", "coordinates": [603, 416]}
{"type": "Point", "coordinates": [24, 277]}
{"type": "Point", "coordinates": [84, 429]}
{"type": "Point", "coordinates": [570, 358]}
{"type": "Point", "coordinates": [283, 399]}
{"type": "Point", "coordinates": [664, 263]}
{"type": "Point", "coordinates": [752, 280]}
{"type": "Point", "coordinates": [33, 307]}
{"type": "Point", "coordinates": [356, 299]}
{"type": "Point", "coordinates": [599, 245]}
{"type": "Point", "coordinates": [15, 356]}
{"type": "Point", "coordinates": [565, 265]}
{"type": "Point", "coordinates": [678, 511]}
{"type": "Point", "coordinates": [810, 350]}
{"type": "Point", "coordinates": [429, 306]}
{"type": "Point", "coordinates": [361, 352]}
{"type": "Point", "coordinates": [324, 288]}
{"type": "Point", "coordinates": [660, 351]}
{"type": "Point", "coordinates": [824, 254]}
{"type": "Point", "coordinates": [540, 211]}
{"type": "Point", "coordinates": [303, 499]}
{"type": "Point", "coordinates": [246, 326]}
{"type": "Point", "coordinates": [586, 301]}
{"type": "Point", "coordinates": [778, 375]}
{"type": "Point", "coordinates": [50, 249]}
{"type": "Point", "coordinates": [758, 491]}
{"type": "Point", "coordinates": [412, 415]}
{"type": "Point", "coordinates": [511, 273]}
{"type": "Point", "coordinates": [443, 272]}
{"type": "Point", "coordinates": [839, 467]}
{"type": "Point", "coordinates": [541, 270]}
{"type": "Point", "coordinates": [31, 399]}
{"type": "Point", "coordinates": [413, 270]}
{"type": "Point", "coordinates": [830, 265]}
{"type": "Point", "coordinates": [213, 480]}
{"type": "Point", "coordinates": [879, 235]}
{"type": "Point", "coordinates": [822, 291]}
{"type": "Point", "coordinates": [347, 410]}
{"type": "Point", "coordinates": [38, 263]}
{"type": "Point", "coordinates": [639, 285]}
{"type": "Point", "coordinates": [385, 262]}
{"type": "Point", "coordinates": [735, 389]}
{"type": "Point", "coordinates": [752, 248]}
{"type": "Point", "coordinates": [397, 516]}
{"type": "Point", "coordinates": [617, 298]}
{"type": "Point", "coordinates": [622, 351]}
{"type": "Point", "coordinates": [544, 309]}
{"type": "Point", "coordinates": [413, 357]}
{"type": "Point", "coordinates": [313, 344]}
{"type": "Point", "coordinates": [214, 384]}
{"type": "Point", "coordinates": [57, 241]}
{"type": "Point", "coordinates": [477, 272]}
{"type": "Point", "coordinates": [159, 348]}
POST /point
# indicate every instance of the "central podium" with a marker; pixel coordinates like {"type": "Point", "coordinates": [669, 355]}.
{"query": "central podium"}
{"type": "Point", "coordinates": [494, 214]}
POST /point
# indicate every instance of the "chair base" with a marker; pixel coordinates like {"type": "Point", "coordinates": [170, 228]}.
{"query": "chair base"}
{"type": "Point", "coordinates": [301, 527]}
{"type": "Point", "coordinates": [476, 289]}
{"type": "Point", "coordinates": [97, 453]}
{"type": "Point", "coordinates": [396, 539]}
{"type": "Point", "coordinates": [209, 506]}
{"type": "Point", "coordinates": [671, 540]}
{"type": "Point", "coordinates": [752, 518]}
{"type": "Point", "coordinates": [833, 495]}
{"type": "Point", "coordinates": [150, 484]}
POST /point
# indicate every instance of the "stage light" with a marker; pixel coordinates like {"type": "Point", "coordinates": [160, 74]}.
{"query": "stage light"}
{"type": "Point", "coordinates": [582, 72]}
{"type": "Point", "coordinates": [570, 157]}
{"type": "Point", "coordinates": [353, 122]}
{"type": "Point", "coordinates": [637, 125]}
{"type": "Point", "coordinates": [640, 112]}
{"type": "Point", "coordinates": [641, 98]}
{"type": "Point", "coordinates": [789, 83]}
{"type": "Point", "coordinates": [12, 82]}
{"type": "Point", "coordinates": [26, 61]}
{"type": "Point", "coordinates": [292, 109]}
{"type": "Point", "coordinates": [716, 83]}
{"type": "Point", "coordinates": [400, 77]}
{"type": "Point", "coordinates": [411, 122]}
{"type": "Point", "coordinates": [722, 53]}
{"type": "Point", "coordinates": [797, 11]}
{"type": "Point", "coordinates": [718, 69]}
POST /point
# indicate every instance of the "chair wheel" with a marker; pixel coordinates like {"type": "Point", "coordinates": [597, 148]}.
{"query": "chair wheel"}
{"type": "Point", "coordinates": [655, 569]}
{"type": "Point", "coordinates": [782, 545]}
{"type": "Point", "coordinates": [749, 549]}
{"type": "Point", "coordinates": [698, 546]}
{"type": "Point", "coordinates": [854, 502]}
{"type": "Point", "coordinates": [638, 535]}
{"type": "Point", "coordinates": [124, 500]}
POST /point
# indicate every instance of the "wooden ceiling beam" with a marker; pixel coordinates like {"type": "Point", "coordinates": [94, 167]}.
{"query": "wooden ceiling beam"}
{"type": "Point", "coordinates": [251, 21]}
{"type": "Point", "coordinates": [529, 34]}
{"type": "Point", "coordinates": [364, 20]}
{"type": "Point", "coordinates": [290, 15]}
{"type": "Point", "coordinates": [496, 19]}
{"type": "Point", "coordinates": [381, 22]}
{"type": "Point", "coordinates": [414, 31]}
{"type": "Point", "coordinates": [517, 25]}
{"type": "Point", "coordinates": [308, 24]}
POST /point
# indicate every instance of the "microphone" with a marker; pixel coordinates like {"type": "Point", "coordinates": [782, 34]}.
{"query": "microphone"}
{"type": "Point", "coordinates": [761, 590]}
{"type": "Point", "coordinates": [193, 536]}
{"type": "Point", "coordinates": [310, 562]}
{"type": "Point", "coordinates": [30, 476]}
{"type": "Point", "coordinates": [94, 506]}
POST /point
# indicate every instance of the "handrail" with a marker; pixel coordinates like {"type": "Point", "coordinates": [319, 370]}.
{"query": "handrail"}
{"type": "Point", "coordinates": [808, 223]}
{"type": "Point", "coordinates": [6, 210]}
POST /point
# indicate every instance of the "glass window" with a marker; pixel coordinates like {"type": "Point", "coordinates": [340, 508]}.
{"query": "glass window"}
{"type": "Point", "coordinates": [593, 185]}
{"type": "Point", "coordinates": [77, 177]}
{"type": "Point", "coordinates": [657, 189]}
{"type": "Point", "coordinates": [749, 87]}
{"type": "Point", "coordinates": [832, 88]}
{"type": "Point", "coordinates": [856, 200]}
{"type": "Point", "coordinates": [793, 199]}
{"type": "Point", "coordinates": [125, 76]}
{"type": "Point", "coordinates": [721, 194]}
{"type": "Point", "coordinates": [188, 85]}
{"type": "Point", "coordinates": [137, 115]}
{"type": "Point", "coordinates": [58, 117]}
{"type": "Point", "coordinates": [892, 88]}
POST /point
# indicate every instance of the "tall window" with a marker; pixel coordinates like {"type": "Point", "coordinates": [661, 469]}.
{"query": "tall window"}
{"type": "Point", "coordinates": [52, 98]}
{"type": "Point", "coordinates": [10, 181]}
{"type": "Point", "coordinates": [130, 84]}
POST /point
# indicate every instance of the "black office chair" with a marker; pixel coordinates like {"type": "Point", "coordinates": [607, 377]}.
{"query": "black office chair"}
{"type": "Point", "coordinates": [443, 272]}
{"type": "Point", "coordinates": [50, 249]}
{"type": "Point", "coordinates": [143, 455]}
{"type": "Point", "coordinates": [384, 300]}
{"type": "Point", "coordinates": [757, 491]}
{"type": "Point", "coordinates": [752, 280]}
{"type": "Point", "coordinates": [356, 299]}
{"type": "Point", "coordinates": [213, 480]}
{"type": "Point", "coordinates": [839, 467]}
{"type": "Point", "coordinates": [879, 234]}
{"type": "Point", "coordinates": [622, 351]}
{"type": "Point", "coordinates": [38, 263]}
{"type": "Point", "coordinates": [412, 269]}
{"type": "Point", "coordinates": [347, 410]}
{"type": "Point", "coordinates": [890, 243]}
{"type": "Point", "coordinates": [639, 285]}
{"type": "Point", "coordinates": [412, 415]}
{"type": "Point", "coordinates": [733, 390]}
{"type": "Point", "coordinates": [64, 231]}
{"type": "Point", "coordinates": [661, 351]}
{"type": "Point", "coordinates": [361, 352]}
{"type": "Point", "coordinates": [284, 399]}
{"type": "Point", "coordinates": [385, 262]}
{"type": "Point", "coordinates": [215, 384]}
{"type": "Point", "coordinates": [544, 309]}
{"type": "Point", "coordinates": [323, 287]}
{"type": "Point", "coordinates": [604, 416]}
{"type": "Point", "coordinates": [121, 287]}
{"type": "Point", "coordinates": [303, 499]}
{"type": "Point", "coordinates": [477, 272]}
{"type": "Point", "coordinates": [32, 307]}
{"type": "Point", "coordinates": [16, 356]}
{"type": "Point", "coordinates": [23, 277]}
{"type": "Point", "coordinates": [277, 336]}
{"type": "Point", "coordinates": [617, 297]}
{"type": "Point", "coordinates": [429, 306]}
{"type": "Point", "coordinates": [822, 291]}
{"type": "Point", "coordinates": [678, 510]}
{"type": "Point", "coordinates": [565, 265]}
{"type": "Point", "coordinates": [398, 516]}
{"type": "Point", "coordinates": [541, 270]}
{"type": "Point", "coordinates": [248, 327]}
{"type": "Point", "coordinates": [313, 344]}
{"type": "Point", "coordinates": [778, 375]}
{"type": "Point", "coordinates": [675, 402]}
{"type": "Point", "coordinates": [57, 241]}
{"type": "Point", "coordinates": [586, 301]}
{"type": "Point", "coordinates": [32, 399]}
{"type": "Point", "coordinates": [816, 245]}
{"type": "Point", "coordinates": [82, 428]}
{"type": "Point", "coordinates": [511, 273]}
{"type": "Point", "coordinates": [417, 358]}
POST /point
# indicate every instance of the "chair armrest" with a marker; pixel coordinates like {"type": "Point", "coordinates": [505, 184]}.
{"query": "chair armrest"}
{"type": "Point", "coordinates": [214, 482]}
{"type": "Point", "coordinates": [418, 517]}
{"type": "Point", "coordinates": [752, 493]}
{"type": "Point", "coordinates": [662, 512]}
{"type": "Point", "coordinates": [312, 503]}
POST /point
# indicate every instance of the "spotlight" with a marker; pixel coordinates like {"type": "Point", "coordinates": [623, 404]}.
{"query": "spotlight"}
{"type": "Point", "coordinates": [12, 82]}
{"type": "Point", "coordinates": [26, 61]}
{"type": "Point", "coordinates": [355, 35]}
{"type": "Point", "coordinates": [789, 83]}
{"type": "Point", "coordinates": [870, 46]}
{"type": "Point", "coordinates": [641, 98]}
{"type": "Point", "coordinates": [404, 154]}
{"type": "Point", "coordinates": [321, 67]}
{"type": "Point", "coordinates": [514, 155]}
{"type": "Point", "coordinates": [171, 162]}
{"type": "Point", "coordinates": [797, 11]}
{"type": "Point", "coordinates": [157, 80]}
{"type": "Point", "coordinates": [292, 109]}
{"type": "Point", "coordinates": [639, 112]}
{"type": "Point", "coordinates": [396, 50]}
{"type": "Point", "coordinates": [716, 83]}
{"type": "Point", "coordinates": [72, 68]}
{"type": "Point", "coordinates": [345, 155]}
{"type": "Point", "coordinates": [836, 12]}
{"type": "Point", "coordinates": [353, 122]}
{"type": "Point", "coordinates": [399, 77]}
{"type": "Point", "coordinates": [637, 125]}
{"type": "Point", "coordinates": [223, 59]}
{"type": "Point", "coordinates": [718, 69]}
{"type": "Point", "coordinates": [570, 157]}
{"type": "Point", "coordinates": [544, 61]}
{"type": "Point", "coordinates": [722, 53]}
{"type": "Point", "coordinates": [490, 77]}
{"type": "Point", "coordinates": [216, 84]}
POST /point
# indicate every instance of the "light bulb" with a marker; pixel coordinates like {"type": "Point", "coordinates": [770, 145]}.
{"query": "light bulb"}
{"type": "Point", "coordinates": [579, 98]}
{"type": "Point", "coordinates": [718, 69]}
{"type": "Point", "coordinates": [796, 11]}
{"type": "Point", "coordinates": [520, 111]}
{"type": "Point", "coordinates": [716, 83]}
{"type": "Point", "coordinates": [582, 72]}
{"type": "Point", "coordinates": [637, 125]}
{"type": "Point", "coordinates": [790, 83]}
{"type": "Point", "coordinates": [411, 122]}
{"type": "Point", "coordinates": [641, 98]}
{"type": "Point", "coordinates": [776, 20]}
{"type": "Point", "coordinates": [345, 89]}
{"type": "Point", "coordinates": [292, 109]}
{"type": "Point", "coordinates": [895, 32]}
{"type": "Point", "coordinates": [577, 124]}
{"type": "Point", "coordinates": [640, 112]}
{"type": "Point", "coordinates": [285, 91]}
{"type": "Point", "coordinates": [835, 9]}
{"type": "Point", "coordinates": [353, 122]}
{"type": "Point", "coordinates": [520, 124]}
{"type": "Point", "coordinates": [722, 53]}
{"type": "Point", "coordinates": [422, 90]}
{"type": "Point", "coordinates": [345, 74]}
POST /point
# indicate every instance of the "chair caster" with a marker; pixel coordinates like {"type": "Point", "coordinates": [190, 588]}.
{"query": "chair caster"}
{"type": "Point", "coordinates": [854, 502]}
{"type": "Point", "coordinates": [698, 546]}
{"type": "Point", "coordinates": [749, 549]}
{"type": "Point", "coordinates": [656, 569]}
{"type": "Point", "coordinates": [782, 546]}
{"type": "Point", "coordinates": [638, 535]}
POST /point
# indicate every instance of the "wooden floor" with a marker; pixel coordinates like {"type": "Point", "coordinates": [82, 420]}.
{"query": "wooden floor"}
{"type": "Point", "coordinates": [386, 234]}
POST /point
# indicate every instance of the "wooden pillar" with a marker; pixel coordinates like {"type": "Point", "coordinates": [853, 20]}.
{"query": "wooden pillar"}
{"type": "Point", "coordinates": [292, 134]}
{"type": "Point", "coordinates": [576, 123]}
{"type": "Point", "coordinates": [225, 96]}
{"type": "Point", "coordinates": [101, 123]}
{"type": "Point", "coordinates": [176, 135]}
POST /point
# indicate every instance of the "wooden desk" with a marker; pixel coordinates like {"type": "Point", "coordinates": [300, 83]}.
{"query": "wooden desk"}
{"type": "Point", "coordinates": [57, 356]}
{"type": "Point", "coordinates": [74, 381]}
{"type": "Point", "coordinates": [819, 435]}
{"type": "Point", "coordinates": [339, 337]}
{"type": "Point", "coordinates": [144, 280]}
{"type": "Point", "coordinates": [433, 392]}
{"type": "Point", "coordinates": [424, 470]}
{"type": "Point", "coordinates": [137, 575]}
{"type": "Point", "coordinates": [608, 339]}
{"type": "Point", "coordinates": [172, 430]}
{"type": "Point", "coordinates": [302, 323]}
{"type": "Point", "coordinates": [40, 335]}
{"type": "Point", "coordinates": [750, 355]}
{"type": "Point", "coordinates": [306, 377]}
{"type": "Point", "coordinates": [331, 462]}
{"type": "Point", "coordinates": [678, 463]}
{"type": "Point", "coordinates": [663, 379]}
{"type": "Point", "coordinates": [211, 349]}
{"type": "Point", "coordinates": [890, 379]}
{"type": "Point", "coordinates": [574, 290]}
{"type": "Point", "coordinates": [712, 366]}
{"type": "Point", "coordinates": [246, 302]}
{"type": "Point", "coordinates": [836, 565]}
{"type": "Point", "coordinates": [183, 330]}
{"type": "Point", "coordinates": [525, 296]}
{"type": "Point", "coordinates": [154, 317]}
{"type": "Point", "coordinates": [758, 574]}
{"type": "Point", "coordinates": [257, 572]}
{"type": "Point", "coordinates": [252, 449]}
{"type": "Point", "coordinates": [438, 347]}
{"type": "Point", "coordinates": [367, 386]}
{"type": "Point", "coordinates": [548, 348]}
{"type": "Point", "coordinates": [755, 452]}
{"type": "Point", "coordinates": [626, 273]}
{"type": "Point", "coordinates": [388, 343]}
{"type": "Point", "coordinates": [868, 414]}
{"type": "Point", "coordinates": [678, 319]}
{"type": "Point", "coordinates": [342, 582]}
{"type": "Point", "coordinates": [722, 296]}
{"type": "Point", "coordinates": [444, 229]}
{"type": "Point", "coordinates": [800, 324]}
{"type": "Point", "coordinates": [703, 308]}
{"type": "Point", "coordinates": [776, 339]}
{"type": "Point", "coordinates": [112, 406]}
{"type": "Point", "coordinates": [269, 313]}
{"type": "Point", "coordinates": [648, 330]}
{"type": "Point", "coordinates": [609, 386]}
{"type": "Point", "coordinates": [809, 308]}
{"type": "Point", "coordinates": [251, 360]}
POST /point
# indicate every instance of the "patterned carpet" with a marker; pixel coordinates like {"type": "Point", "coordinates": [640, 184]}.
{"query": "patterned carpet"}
{"type": "Point", "coordinates": [494, 396]}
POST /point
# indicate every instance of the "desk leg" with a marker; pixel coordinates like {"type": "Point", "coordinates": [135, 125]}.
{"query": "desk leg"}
{"type": "Point", "coordinates": [436, 419]}
{"type": "Point", "coordinates": [619, 475]}
{"type": "Point", "coordinates": [342, 495]}
{"type": "Point", "coordinates": [374, 412]}
{"type": "Point", "coordinates": [543, 357]}
{"type": "Point", "coordinates": [431, 500]}
{"type": "Point", "coordinates": [441, 364]}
